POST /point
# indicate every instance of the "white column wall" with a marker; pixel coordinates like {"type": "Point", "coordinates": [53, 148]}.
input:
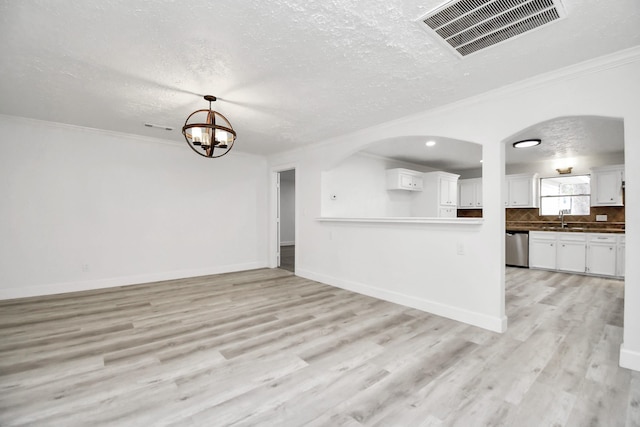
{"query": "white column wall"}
{"type": "Point", "coordinates": [630, 350]}
{"type": "Point", "coordinates": [84, 209]}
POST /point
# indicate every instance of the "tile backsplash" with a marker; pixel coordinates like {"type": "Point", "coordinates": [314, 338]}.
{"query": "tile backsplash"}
{"type": "Point", "coordinates": [614, 214]}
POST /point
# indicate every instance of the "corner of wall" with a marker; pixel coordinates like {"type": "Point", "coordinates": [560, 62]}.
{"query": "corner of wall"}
{"type": "Point", "coordinates": [629, 359]}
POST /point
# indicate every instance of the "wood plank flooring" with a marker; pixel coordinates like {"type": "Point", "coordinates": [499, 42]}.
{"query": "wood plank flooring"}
{"type": "Point", "coordinates": [288, 258]}
{"type": "Point", "coordinates": [267, 348]}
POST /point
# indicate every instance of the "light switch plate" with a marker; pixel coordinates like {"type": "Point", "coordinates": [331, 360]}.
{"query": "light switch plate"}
{"type": "Point", "coordinates": [601, 217]}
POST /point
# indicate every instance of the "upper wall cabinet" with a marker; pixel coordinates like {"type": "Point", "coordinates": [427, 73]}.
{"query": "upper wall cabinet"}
{"type": "Point", "coordinates": [606, 185]}
{"type": "Point", "coordinates": [404, 179]}
{"type": "Point", "coordinates": [522, 191]}
{"type": "Point", "coordinates": [470, 193]}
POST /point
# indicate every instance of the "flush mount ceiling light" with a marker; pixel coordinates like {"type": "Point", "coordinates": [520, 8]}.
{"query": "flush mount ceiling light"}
{"type": "Point", "coordinates": [526, 143]}
{"type": "Point", "coordinates": [208, 132]}
{"type": "Point", "coordinates": [430, 143]}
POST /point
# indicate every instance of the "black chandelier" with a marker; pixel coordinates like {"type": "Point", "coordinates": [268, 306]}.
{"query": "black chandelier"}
{"type": "Point", "coordinates": [210, 136]}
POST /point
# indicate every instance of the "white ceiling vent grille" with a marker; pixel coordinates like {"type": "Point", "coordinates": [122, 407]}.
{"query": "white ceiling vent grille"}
{"type": "Point", "coordinates": [472, 25]}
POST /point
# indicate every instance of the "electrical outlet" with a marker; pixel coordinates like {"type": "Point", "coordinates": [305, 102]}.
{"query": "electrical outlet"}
{"type": "Point", "coordinates": [460, 248]}
{"type": "Point", "coordinates": [601, 218]}
{"type": "Point", "coordinates": [85, 268]}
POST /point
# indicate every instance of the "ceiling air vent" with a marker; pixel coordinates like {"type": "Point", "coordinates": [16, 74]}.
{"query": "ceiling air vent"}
{"type": "Point", "coordinates": [472, 25]}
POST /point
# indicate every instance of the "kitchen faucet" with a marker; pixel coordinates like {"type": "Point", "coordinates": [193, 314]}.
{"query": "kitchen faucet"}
{"type": "Point", "coordinates": [561, 214]}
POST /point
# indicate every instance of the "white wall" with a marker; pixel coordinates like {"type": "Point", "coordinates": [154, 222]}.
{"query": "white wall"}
{"type": "Point", "coordinates": [288, 207]}
{"type": "Point", "coordinates": [84, 209]}
{"type": "Point", "coordinates": [418, 264]}
{"type": "Point", "coordinates": [359, 186]}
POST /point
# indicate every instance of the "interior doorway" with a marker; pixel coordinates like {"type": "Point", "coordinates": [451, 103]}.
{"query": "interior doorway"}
{"type": "Point", "coordinates": [286, 232]}
{"type": "Point", "coordinates": [534, 202]}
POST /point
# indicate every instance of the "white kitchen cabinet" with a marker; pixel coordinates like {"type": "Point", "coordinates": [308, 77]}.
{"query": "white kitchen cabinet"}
{"type": "Point", "coordinates": [590, 253]}
{"type": "Point", "coordinates": [621, 257]}
{"type": "Point", "coordinates": [571, 252]}
{"type": "Point", "coordinates": [522, 191]}
{"type": "Point", "coordinates": [404, 179]}
{"type": "Point", "coordinates": [542, 249]}
{"type": "Point", "coordinates": [448, 184]}
{"type": "Point", "coordinates": [606, 185]}
{"type": "Point", "coordinates": [601, 254]}
{"type": "Point", "coordinates": [439, 195]}
{"type": "Point", "coordinates": [470, 193]}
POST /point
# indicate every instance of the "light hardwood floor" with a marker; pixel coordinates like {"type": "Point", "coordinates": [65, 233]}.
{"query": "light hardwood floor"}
{"type": "Point", "coordinates": [268, 348]}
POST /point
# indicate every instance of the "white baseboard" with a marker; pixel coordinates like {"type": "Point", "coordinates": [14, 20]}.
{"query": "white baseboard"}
{"type": "Point", "coordinates": [287, 243]}
{"type": "Point", "coordinates": [495, 324]}
{"type": "Point", "coordinates": [629, 359]}
{"type": "Point", "coordinates": [61, 288]}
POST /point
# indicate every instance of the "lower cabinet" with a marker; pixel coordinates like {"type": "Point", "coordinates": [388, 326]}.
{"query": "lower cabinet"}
{"type": "Point", "coordinates": [601, 255]}
{"type": "Point", "coordinates": [591, 253]}
{"type": "Point", "coordinates": [621, 256]}
{"type": "Point", "coordinates": [448, 213]}
{"type": "Point", "coordinates": [542, 250]}
{"type": "Point", "coordinates": [572, 252]}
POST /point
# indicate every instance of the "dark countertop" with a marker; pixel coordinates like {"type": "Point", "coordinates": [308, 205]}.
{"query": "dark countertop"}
{"type": "Point", "coordinates": [572, 227]}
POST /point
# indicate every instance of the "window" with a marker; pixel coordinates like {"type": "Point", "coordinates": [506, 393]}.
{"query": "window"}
{"type": "Point", "coordinates": [571, 194]}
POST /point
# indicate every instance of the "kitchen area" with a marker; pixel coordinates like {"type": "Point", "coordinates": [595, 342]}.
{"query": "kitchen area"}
{"type": "Point", "coordinates": [564, 195]}
{"type": "Point", "coordinates": [590, 242]}
{"type": "Point", "coordinates": [563, 191]}
{"type": "Point", "coordinates": [554, 225]}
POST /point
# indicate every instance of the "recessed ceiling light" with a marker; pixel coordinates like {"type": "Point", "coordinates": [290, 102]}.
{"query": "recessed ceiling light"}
{"type": "Point", "coordinates": [525, 143]}
{"type": "Point", "coordinates": [430, 143]}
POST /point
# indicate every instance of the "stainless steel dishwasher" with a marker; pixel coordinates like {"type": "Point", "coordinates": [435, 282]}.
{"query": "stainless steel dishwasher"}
{"type": "Point", "coordinates": [517, 248]}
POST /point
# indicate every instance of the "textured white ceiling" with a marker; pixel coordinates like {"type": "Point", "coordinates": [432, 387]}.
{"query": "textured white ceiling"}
{"type": "Point", "coordinates": [287, 72]}
{"type": "Point", "coordinates": [568, 137]}
{"type": "Point", "coordinates": [447, 154]}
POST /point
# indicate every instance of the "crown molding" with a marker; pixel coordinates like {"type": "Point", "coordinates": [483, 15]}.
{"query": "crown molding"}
{"type": "Point", "coordinates": [592, 66]}
{"type": "Point", "coordinates": [103, 132]}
